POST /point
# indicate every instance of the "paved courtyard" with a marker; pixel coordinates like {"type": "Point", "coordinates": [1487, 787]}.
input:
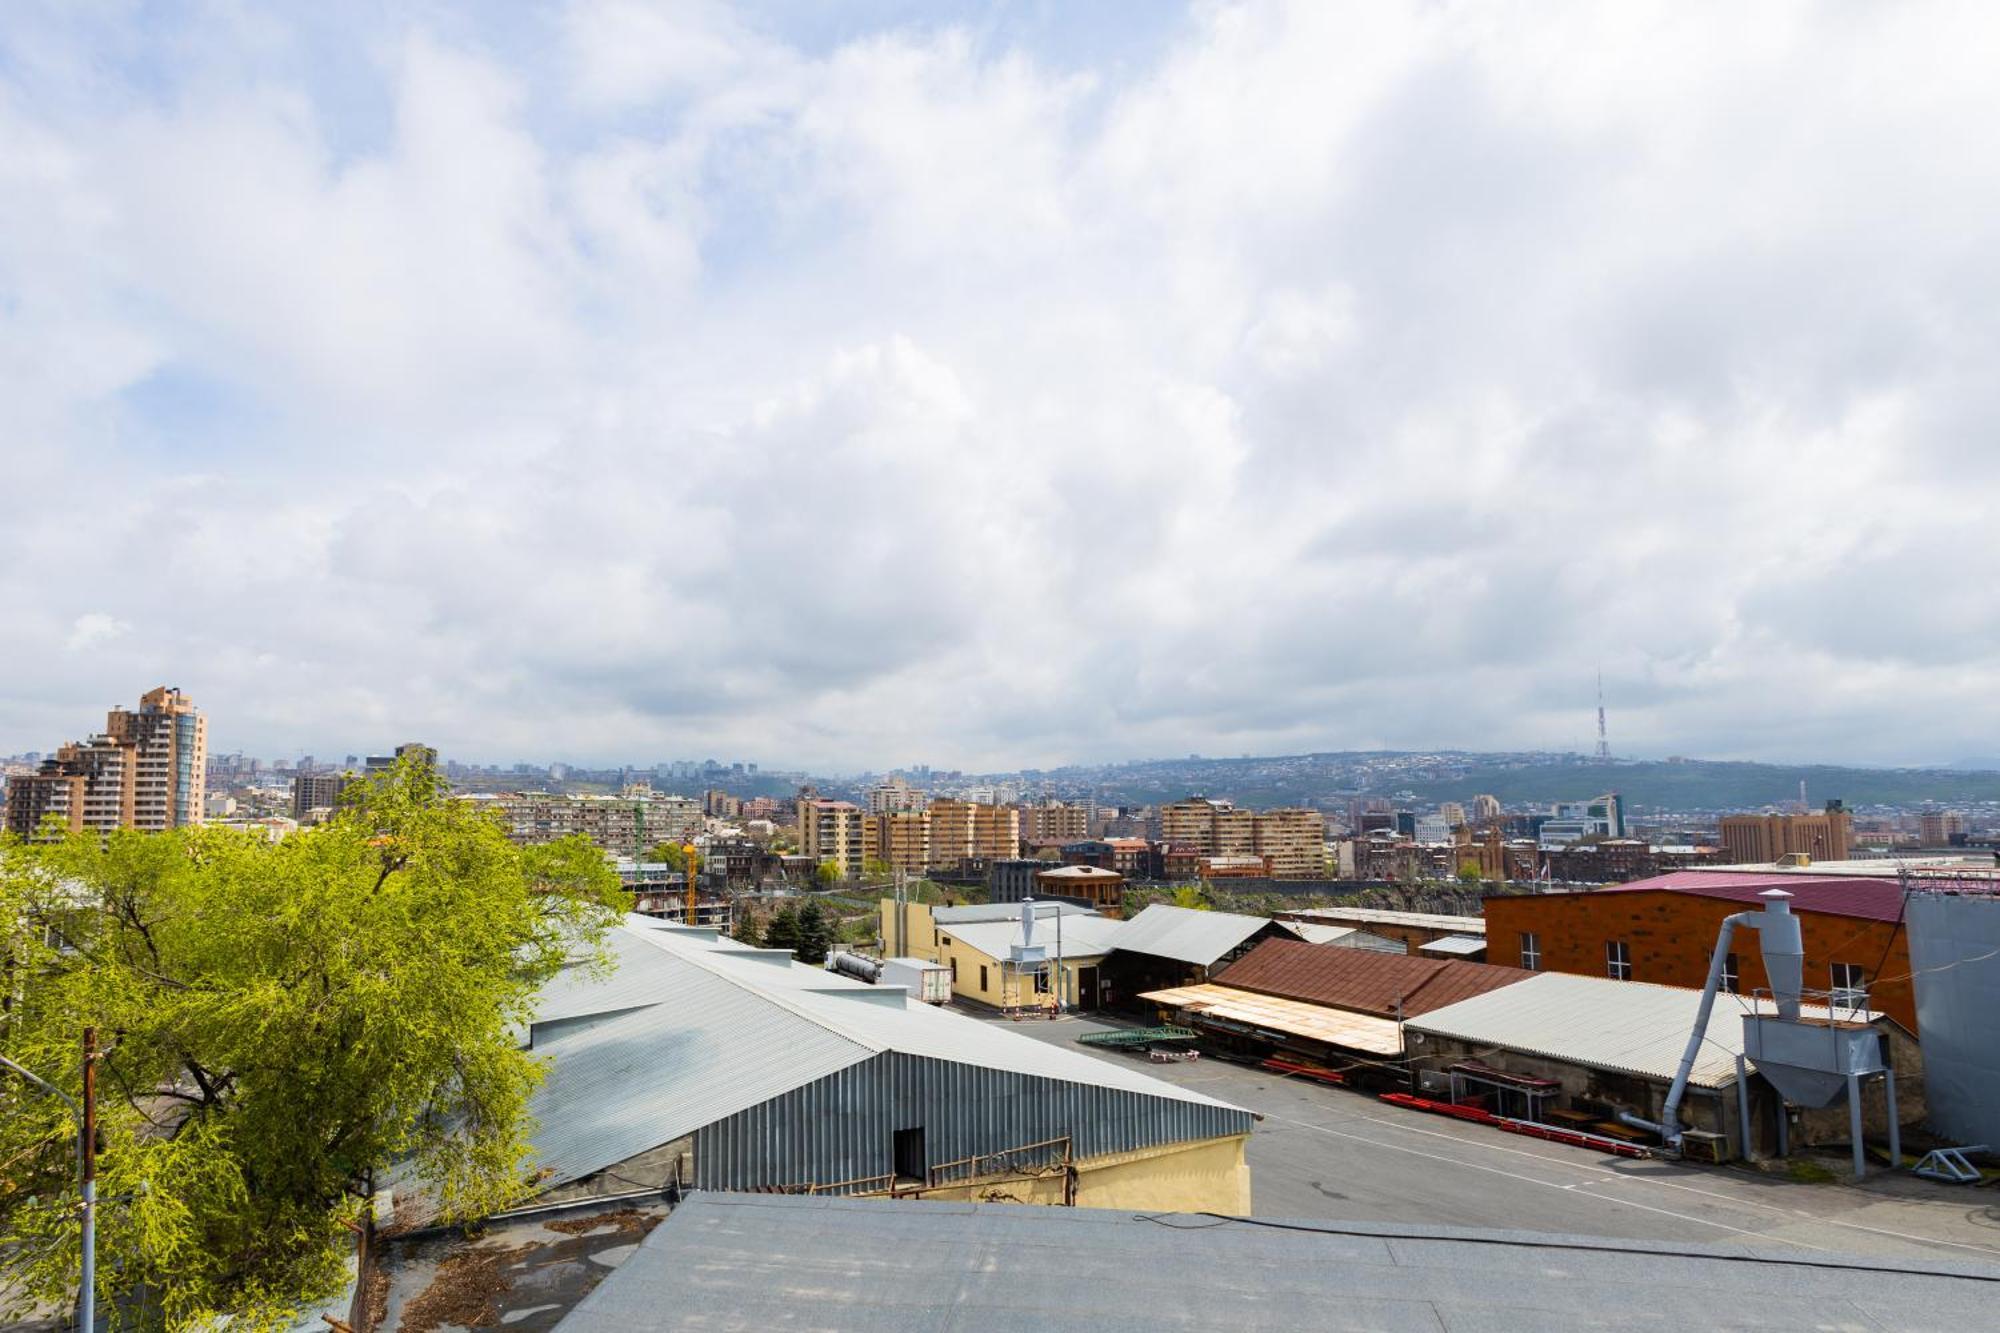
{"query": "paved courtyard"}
{"type": "Point", "coordinates": [1323, 1152]}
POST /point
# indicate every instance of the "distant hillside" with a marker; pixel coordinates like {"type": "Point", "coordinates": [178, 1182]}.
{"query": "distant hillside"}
{"type": "Point", "coordinates": [1693, 785]}
{"type": "Point", "coordinates": [1702, 785]}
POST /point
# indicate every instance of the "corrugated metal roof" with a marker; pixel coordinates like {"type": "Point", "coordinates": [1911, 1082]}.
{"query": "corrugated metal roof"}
{"type": "Point", "coordinates": [1082, 936]}
{"type": "Point", "coordinates": [1381, 916]}
{"type": "Point", "coordinates": [1361, 979]}
{"type": "Point", "coordinates": [765, 1261]}
{"type": "Point", "coordinates": [1186, 935]}
{"type": "Point", "coordinates": [1346, 937]}
{"type": "Point", "coordinates": [968, 912]}
{"type": "Point", "coordinates": [690, 1028]}
{"type": "Point", "coordinates": [1626, 1027]}
{"type": "Point", "coordinates": [1862, 897]}
{"type": "Point", "coordinates": [1455, 946]}
{"type": "Point", "coordinates": [1338, 1027]}
{"type": "Point", "coordinates": [1370, 983]}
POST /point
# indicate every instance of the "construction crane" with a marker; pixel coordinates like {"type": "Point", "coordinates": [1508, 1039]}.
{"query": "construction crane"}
{"type": "Point", "coordinates": [691, 866]}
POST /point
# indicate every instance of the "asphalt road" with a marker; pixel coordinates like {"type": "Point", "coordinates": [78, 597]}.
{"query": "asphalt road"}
{"type": "Point", "coordinates": [1323, 1152]}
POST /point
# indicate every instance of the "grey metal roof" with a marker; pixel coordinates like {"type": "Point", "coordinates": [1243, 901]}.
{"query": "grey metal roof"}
{"type": "Point", "coordinates": [1186, 935]}
{"type": "Point", "coordinates": [1625, 1027]}
{"type": "Point", "coordinates": [689, 1028]}
{"type": "Point", "coordinates": [968, 912]}
{"type": "Point", "coordinates": [740, 1261]}
{"type": "Point", "coordinates": [1382, 916]}
{"type": "Point", "coordinates": [1455, 946]}
{"type": "Point", "coordinates": [1346, 937]}
{"type": "Point", "coordinates": [1082, 936]}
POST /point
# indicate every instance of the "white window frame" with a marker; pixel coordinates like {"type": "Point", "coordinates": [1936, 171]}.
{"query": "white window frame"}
{"type": "Point", "coordinates": [1618, 960]}
{"type": "Point", "coordinates": [1850, 986]}
{"type": "Point", "coordinates": [1531, 951]}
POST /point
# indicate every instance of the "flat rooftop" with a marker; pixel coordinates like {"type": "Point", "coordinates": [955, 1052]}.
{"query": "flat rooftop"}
{"type": "Point", "coordinates": [735, 1261]}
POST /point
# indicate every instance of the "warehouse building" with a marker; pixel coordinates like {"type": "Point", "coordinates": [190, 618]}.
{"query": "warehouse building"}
{"type": "Point", "coordinates": [703, 1061]}
{"type": "Point", "coordinates": [1331, 1009]}
{"type": "Point", "coordinates": [1575, 1051]}
{"type": "Point", "coordinates": [1663, 930]}
{"type": "Point", "coordinates": [1179, 946]}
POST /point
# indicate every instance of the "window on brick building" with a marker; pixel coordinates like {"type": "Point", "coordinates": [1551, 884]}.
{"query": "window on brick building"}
{"type": "Point", "coordinates": [1618, 960]}
{"type": "Point", "coordinates": [1732, 979]}
{"type": "Point", "coordinates": [1531, 951]}
{"type": "Point", "coordinates": [1850, 986]}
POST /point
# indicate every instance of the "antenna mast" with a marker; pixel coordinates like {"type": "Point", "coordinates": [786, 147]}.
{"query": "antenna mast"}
{"type": "Point", "coordinates": [1603, 745]}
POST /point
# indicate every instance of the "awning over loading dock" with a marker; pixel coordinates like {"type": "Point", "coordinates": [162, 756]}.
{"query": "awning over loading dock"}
{"type": "Point", "coordinates": [1314, 1022]}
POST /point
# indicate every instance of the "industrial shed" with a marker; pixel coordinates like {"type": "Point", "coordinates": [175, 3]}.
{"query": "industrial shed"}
{"type": "Point", "coordinates": [1333, 1009]}
{"type": "Point", "coordinates": [1575, 1050]}
{"type": "Point", "coordinates": [1179, 946]}
{"type": "Point", "coordinates": [700, 1060]}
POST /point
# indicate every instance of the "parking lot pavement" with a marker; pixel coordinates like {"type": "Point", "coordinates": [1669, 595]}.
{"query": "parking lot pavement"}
{"type": "Point", "coordinates": [1323, 1152]}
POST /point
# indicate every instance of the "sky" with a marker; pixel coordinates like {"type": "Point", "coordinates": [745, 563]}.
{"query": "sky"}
{"type": "Point", "coordinates": [1004, 385]}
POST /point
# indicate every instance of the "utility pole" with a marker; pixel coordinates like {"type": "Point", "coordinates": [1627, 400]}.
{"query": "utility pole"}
{"type": "Point", "coordinates": [86, 1165]}
{"type": "Point", "coordinates": [87, 1303]}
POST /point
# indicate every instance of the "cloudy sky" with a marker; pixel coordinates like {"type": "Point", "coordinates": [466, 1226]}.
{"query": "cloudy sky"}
{"type": "Point", "coordinates": [1009, 384]}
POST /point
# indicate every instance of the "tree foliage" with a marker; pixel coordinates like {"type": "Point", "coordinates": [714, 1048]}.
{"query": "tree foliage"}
{"type": "Point", "coordinates": [746, 931]}
{"type": "Point", "coordinates": [816, 932]}
{"type": "Point", "coordinates": [282, 1022]}
{"type": "Point", "coordinates": [670, 854]}
{"type": "Point", "coordinates": [782, 930]}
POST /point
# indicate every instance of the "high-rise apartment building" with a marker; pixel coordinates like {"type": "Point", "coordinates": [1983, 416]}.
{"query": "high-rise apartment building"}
{"type": "Point", "coordinates": [962, 830]}
{"type": "Point", "coordinates": [1935, 828]}
{"type": "Point", "coordinates": [317, 791]}
{"type": "Point", "coordinates": [901, 838]}
{"type": "Point", "coordinates": [1452, 813]}
{"type": "Point", "coordinates": [894, 794]}
{"type": "Point", "coordinates": [1766, 839]}
{"type": "Point", "coordinates": [1485, 809]}
{"type": "Point", "coordinates": [147, 770]}
{"type": "Point", "coordinates": [1054, 822]}
{"type": "Point", "coordinates": [832, 831]}
{"type": "Point", "coordinates": [1293, 841]}
{"type": "Point", "coordinates": [628, 825]}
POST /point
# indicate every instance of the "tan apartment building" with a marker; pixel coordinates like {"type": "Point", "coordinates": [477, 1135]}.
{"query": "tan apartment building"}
{"type": "Point", "coordinates": [833, 831]}
{"type": "Point", "coordinates": [1293, 840]}
{"type": "Point", "coordinates": [901, 838]}
{"type": "Point", "coordinates": [147, 770]}
{"type": "Point", "coordinates": [967, 829]}
{"type": "Point", "coordinates": [1767, 839]}
{"type": "Point", "coordinates": [1054, 822]}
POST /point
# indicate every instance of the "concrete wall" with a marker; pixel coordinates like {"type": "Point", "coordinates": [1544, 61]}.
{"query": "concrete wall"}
{"type": "Point", "coordinates": [1209, 1176]}
{"type": "Point", "coordinates": [1671, 936]}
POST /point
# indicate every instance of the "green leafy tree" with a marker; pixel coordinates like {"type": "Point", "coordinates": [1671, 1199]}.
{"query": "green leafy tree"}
{"type": "Point", "coordinates": [282, 1022]}
{"type": "Point", "coordinates": [782, 930]}
{"type": "Point", "coordinates": [746, 931]}
{"type": "Point", "coordinates": [816, 932]}
{"type": "Point", "coordinates": [1195, 897]}
{"type": "Point", "coordinates": [828, 873]}
{"type": "Point", "coordinates": [671, 854]}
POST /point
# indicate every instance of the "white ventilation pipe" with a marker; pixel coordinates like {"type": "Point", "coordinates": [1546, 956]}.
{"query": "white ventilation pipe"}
{"type": "Point", "coordinates": [1784, 963]}
{"type": "Point", "coordinates": [1027, 923]}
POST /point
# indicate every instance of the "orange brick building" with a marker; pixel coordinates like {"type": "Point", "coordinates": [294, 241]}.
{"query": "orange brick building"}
{"type": "Point", "coordinates": [1663, 930]}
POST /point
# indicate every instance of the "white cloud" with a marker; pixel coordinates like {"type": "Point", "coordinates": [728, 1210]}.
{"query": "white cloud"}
{"type": "Point", "coordinates": [651, 382]}
{"type": "Point", "coordinates": [93, 630]}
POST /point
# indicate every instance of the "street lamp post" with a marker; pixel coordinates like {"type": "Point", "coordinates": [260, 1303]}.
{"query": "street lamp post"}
{"type": "Point", "coordinates": [86, 1167]}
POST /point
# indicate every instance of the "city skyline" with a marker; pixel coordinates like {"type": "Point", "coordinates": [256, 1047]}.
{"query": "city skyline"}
{"type": "Point", "coordinates": [1026, 384]}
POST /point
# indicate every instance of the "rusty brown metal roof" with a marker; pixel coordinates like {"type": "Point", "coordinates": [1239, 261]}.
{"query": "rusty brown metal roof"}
{"type": "Point", "coordinates": [1365, 982]}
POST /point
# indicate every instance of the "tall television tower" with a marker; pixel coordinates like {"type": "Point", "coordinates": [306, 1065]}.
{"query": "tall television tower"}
{"type": "Point", "coordinates": [1603, 745]}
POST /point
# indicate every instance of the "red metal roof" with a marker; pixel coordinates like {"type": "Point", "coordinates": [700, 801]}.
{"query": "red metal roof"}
{"type": "Point", "coordinates": [1864, 897]}
{"type": "Point", "coordinates": [1362, 980]}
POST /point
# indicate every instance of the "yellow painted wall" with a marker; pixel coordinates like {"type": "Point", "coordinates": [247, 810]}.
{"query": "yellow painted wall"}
{"type": "Point", "coordinates": [1208, 1176]}
{"type": "Point", "coordinates": [920, 927]}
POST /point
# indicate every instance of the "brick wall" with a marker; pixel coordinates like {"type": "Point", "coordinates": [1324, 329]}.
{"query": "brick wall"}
{"type": "Point", "coordinates": [1671, 935]}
